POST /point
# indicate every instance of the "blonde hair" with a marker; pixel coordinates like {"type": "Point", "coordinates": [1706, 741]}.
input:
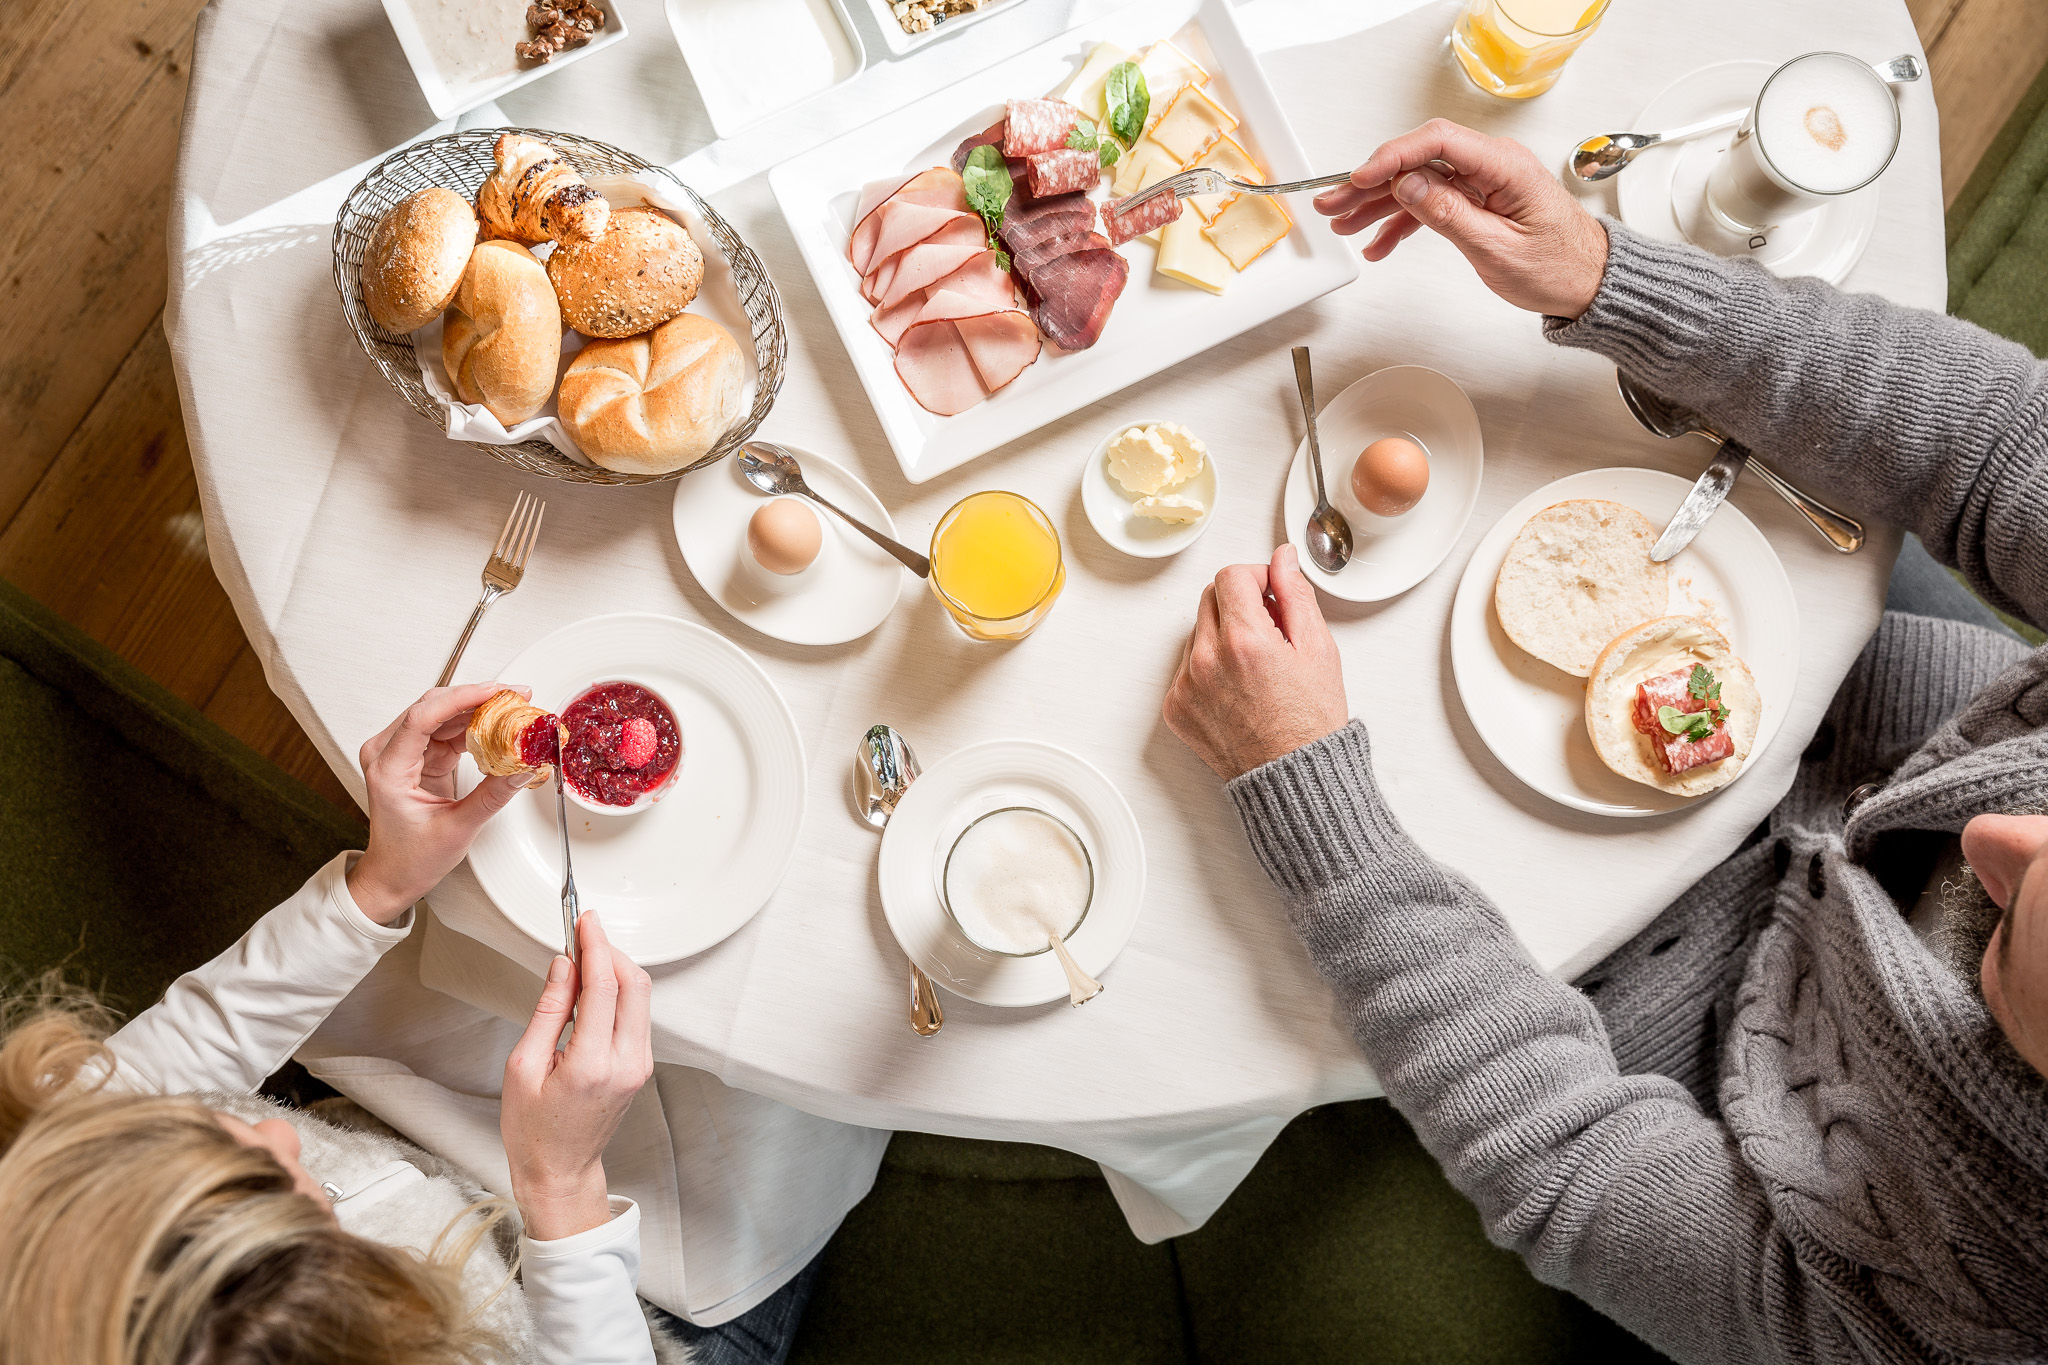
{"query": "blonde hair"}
{"type": "Point", "coordinates": [135, 1231]}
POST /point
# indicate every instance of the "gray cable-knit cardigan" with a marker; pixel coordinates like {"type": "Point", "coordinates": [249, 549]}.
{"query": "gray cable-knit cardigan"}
{"type": "Point", "coordinates": [1787, 1130]}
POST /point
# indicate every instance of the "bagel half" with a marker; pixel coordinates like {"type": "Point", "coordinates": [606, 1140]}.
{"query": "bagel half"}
{"type": "Point", "coordinates": [1576, 575]}
{"type": "Point", "coordinates": [1645, 651]}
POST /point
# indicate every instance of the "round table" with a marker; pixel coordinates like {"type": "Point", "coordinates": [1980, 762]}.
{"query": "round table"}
{"type": "Point", "coordinates": [349, 535]}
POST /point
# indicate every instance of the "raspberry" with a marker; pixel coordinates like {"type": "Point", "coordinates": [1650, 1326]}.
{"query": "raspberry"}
{"type": "Point", "coordinates": [636, 743]}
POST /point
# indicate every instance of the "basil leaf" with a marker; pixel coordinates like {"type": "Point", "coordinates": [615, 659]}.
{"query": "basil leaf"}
{"type": "Point", "coordinates": [986, 181]}
{"type": "Point", "coordinates": [1127, 101]}
{"type": "Point", "coordinates": [1691, 726]}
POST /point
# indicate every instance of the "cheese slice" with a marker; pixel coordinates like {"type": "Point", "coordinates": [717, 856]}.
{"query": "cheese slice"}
{"type": "Point", "coordinates": [1168, 71]}
{"type": "Point", "coordinates": [1186, 254]}
{"type": "Point", "coordinates": [1226, 156]}
{"type": "Point", "coordinates": [1247, 227]}
{"type": "Point", "coordinates": [1191, 123]}
{"type": "Point", "coordinates": [1084, 92]}
{"type": "Point", "coordinates": [1146, 163]}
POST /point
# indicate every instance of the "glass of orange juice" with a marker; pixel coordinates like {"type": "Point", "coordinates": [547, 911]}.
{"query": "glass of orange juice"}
{"type": "Point", "coordinates": [996, 565]}
{"type": "Point", "coordinates": [1518, 48]}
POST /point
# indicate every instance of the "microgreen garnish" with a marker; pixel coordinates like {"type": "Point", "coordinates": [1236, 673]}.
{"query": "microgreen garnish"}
{"type": "Point", "coordinates": [1086, 137]}
{"type": "Point", "coordinates": [1691, 727]}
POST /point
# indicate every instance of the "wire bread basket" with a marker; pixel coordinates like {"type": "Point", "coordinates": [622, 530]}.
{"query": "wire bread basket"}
{"type": "Point", "coordinates": [462, 162]}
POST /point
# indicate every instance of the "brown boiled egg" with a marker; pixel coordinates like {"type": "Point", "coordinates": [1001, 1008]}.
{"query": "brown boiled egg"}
{"type": "Point", "coordinates": [784, 535]}
{"type": "Point", "coordinates": [1391, 476]}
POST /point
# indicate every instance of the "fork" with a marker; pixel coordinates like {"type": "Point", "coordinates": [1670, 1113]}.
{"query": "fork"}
{"type": "Point", "coordinates": [1204, 180]}
{"type": "Point", "coordinates": [502, 571]}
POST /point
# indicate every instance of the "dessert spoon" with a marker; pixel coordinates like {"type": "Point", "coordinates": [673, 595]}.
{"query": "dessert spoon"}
{"type": "Point", "coordinates": [1329, 535]}
{"type": "Point", "coordinates": [772, 469]}
{"type": "Point", "coordinates": [1605, 154]}
{"type": "Point", "coordinates": [883, 769]}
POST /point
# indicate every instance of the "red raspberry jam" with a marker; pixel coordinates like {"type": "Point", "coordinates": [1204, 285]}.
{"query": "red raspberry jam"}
{"type": "Point", "coordinates": [598, 759]}
{"type": "Point", "coordinates": [538, 740]}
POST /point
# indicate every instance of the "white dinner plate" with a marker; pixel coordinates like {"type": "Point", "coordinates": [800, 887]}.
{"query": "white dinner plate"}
{"type": "Point", "coordinates": [1533, 716]}
{"type": "Point", "coordinates": [847, 592]}
{"type": "Point", "coordinates": [969, 783]}
{"type": "Point", "coordinates": [1390, 555]}
{"type": "Point", "coordinates": [1112, 509]}
{"type": "Point", "coordinates": [673, 879]}
{"type": "Point", "coordinates": [1156, 323]}
{"type": "Point", "coordinates": [1663, 193]}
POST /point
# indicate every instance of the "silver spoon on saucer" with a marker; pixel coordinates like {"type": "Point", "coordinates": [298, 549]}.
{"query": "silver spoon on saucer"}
{"type": "Point", "coordinates": [883, 769]}
{"type": "Point", "coordinates": [1605, 154]}
{"type": "Point", "coordinates": [772, 469]}
{"type": "Point", "coordinates": [1329, 535]}
{"type": "Point", "coordinates": [1081, 987]}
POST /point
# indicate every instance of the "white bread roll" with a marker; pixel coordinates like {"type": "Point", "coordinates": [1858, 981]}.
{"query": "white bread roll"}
{"type": "Point", "coordinates": [502, 338]}
{"type": "Point", "coordinates": [415, 257]}
{"type": "Point", "coordinates": [1647, 651]}
{"type": "Point", "coordinates": [641, 271]}
{"type": "Point", "coordinates": [1577, 575]}
{"type": "Point", "coordinates": [652, 403]}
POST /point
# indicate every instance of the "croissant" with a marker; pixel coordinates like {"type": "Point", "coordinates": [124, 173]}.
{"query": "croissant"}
{"type": "Point", "coordinates": [507, 736]}
{"type": "Point", "coordinates": [535, 195]}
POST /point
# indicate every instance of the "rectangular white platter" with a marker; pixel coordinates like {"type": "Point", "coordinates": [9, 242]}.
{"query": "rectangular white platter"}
{"type": "Point", "coordinates": [753, 58]}
{"type": "Point", "coordinates": [1156, 324]}
{"type": "Point", "coordinates": [900, 42]}
{"type": "Point", "coordinates": [447, 100]}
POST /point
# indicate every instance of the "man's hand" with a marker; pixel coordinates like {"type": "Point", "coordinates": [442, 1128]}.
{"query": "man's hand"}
{"type": "Point", "coordinates": [1531, 242]}
{"type": "Point", "coordinates": [1261, 676]}
{"type": "Point", "coordinates": [562, 1105]}
{"type": "Point", "coordinates": [419, 831]}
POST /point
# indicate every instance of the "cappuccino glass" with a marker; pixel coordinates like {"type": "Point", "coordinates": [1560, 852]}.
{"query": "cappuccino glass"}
{"type": "Point", "coordinates": [1824, 124]}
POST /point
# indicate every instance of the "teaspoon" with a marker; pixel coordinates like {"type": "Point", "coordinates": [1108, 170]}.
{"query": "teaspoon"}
{"type": "Point", "coordinates": [1329, 535]}
{"type": "Point", "coordinates": [1081, 987]}
{"type": "Point", "coordinates": [772, 469]}
{"type": "Point", "coordinates": [883, 769]}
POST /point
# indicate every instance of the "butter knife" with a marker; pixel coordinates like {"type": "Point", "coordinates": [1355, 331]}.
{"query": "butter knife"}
{"type": "Point", "coordinates": [1709, 491]}
{"type": "Point", "coordinates": [569, 907]}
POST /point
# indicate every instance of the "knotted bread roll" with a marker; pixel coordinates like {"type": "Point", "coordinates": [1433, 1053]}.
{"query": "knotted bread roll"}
{"type": "Point", "coordinates": [502, 338]}
{"type": "Point", "coordinates": [652, 403]}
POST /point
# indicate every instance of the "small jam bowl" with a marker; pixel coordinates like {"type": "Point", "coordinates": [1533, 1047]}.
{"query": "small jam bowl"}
{"type": "Point", "coordinates": [1087, 861]}
{"type": "Point", "coordinates": [644, 799]}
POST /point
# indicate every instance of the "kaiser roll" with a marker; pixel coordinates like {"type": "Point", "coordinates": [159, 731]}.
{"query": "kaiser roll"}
{"type": "Point", "coordinates": [415, 258]}
{"type": "Point", "coordinates": [642, 270]}
{"type": "Point", "coordinates": [502, 338]}
{"type": "Point", "coordinates": [652, 403]}
{"type": "Point", "coordinates": [1576, 575]}
{"type": "Point", "coordinates": [1651, 650]}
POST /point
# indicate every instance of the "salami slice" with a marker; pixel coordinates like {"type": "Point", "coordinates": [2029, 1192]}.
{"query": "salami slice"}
{"type": "Point", "coordinates": [1032, 126]}
{"type": "Point", "coordinates": [1064, 170]}
{"type": "Point", "coordinates": [1666, 689]}
{"type": "Point", "coordinates": [1153, 213]}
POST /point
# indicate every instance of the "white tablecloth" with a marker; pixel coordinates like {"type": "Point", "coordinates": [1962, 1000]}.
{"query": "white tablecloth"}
{"type": "Point", "coordinates": [349, 535]}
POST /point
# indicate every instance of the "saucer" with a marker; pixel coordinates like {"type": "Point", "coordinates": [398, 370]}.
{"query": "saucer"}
{"type": "Point", "coordinates": [1113, 512]}
{"type": "Point", "coordinates": [1662, 194]}
{"type": "Point", "coordinates": [973, 781]}
{"type": "Point", "coordinates": [848, 591]}
{"type": "Point", "coordinates": [1390, 555]}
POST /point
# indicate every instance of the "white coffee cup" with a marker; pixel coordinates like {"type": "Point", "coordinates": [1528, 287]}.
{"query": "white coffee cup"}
{"type": "Point", "coordinates": [1824, 124]}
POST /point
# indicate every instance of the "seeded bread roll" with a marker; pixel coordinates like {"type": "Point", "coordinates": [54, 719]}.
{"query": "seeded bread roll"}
{"type": "Point", "coordinates": [1576, 575]}
{"type": "Point", "coordinates": [642, 271]}
{"type": "Point", "coordinates": [1647, 651]}
{"type": "Point", "coordinates": [502, 338]}
{"type": "Point", "coordinates": [652, 403]}
{"type": "Point", "coordinates": [415, 257]}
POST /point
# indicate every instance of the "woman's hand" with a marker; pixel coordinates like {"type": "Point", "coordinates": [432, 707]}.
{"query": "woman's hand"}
{"type": "Point", "coordinates": [1261, 676]}
{"type": "Point", "coordinates": [1531, 242]}
{"type": "Point", "coordinates": [419, 831]}
{"type": "Point", "coordinates": [561, 1106]}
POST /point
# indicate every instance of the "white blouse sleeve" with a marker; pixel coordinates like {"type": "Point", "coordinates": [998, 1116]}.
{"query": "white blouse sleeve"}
{"type": "Point", "coordinates": [582, 1290]}
{"type": "Point", "coordinates": [234, 1021]}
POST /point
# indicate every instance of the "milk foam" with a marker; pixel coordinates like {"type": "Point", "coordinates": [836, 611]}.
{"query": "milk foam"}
{"type": "Point", "coordinates": [1827, 122]}
{"type": "Point", "coordinates": [1015, 877]}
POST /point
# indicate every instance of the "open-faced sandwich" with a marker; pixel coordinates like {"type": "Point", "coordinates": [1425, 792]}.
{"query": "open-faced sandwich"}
{"type": "Point", "coordinates": [508, 735]}
{"type": "Point", "coordinates": [1671, 706]}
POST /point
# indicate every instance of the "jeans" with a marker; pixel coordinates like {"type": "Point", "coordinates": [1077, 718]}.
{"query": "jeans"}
{"type": "Point", "coordinates": [1922, 587]}
{"type": "Point", "coordinates": [760, 1336]}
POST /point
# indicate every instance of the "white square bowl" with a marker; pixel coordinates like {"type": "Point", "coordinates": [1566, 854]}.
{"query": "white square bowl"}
{"type": "Point", "coordinates": [447, 101]}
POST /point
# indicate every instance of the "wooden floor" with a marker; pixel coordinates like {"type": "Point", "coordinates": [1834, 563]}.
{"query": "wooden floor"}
{"type": "Point", "coordinates": [99, 515]}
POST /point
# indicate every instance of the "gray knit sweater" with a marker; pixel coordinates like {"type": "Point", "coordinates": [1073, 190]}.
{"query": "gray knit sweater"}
{"type": "Point", "coordinates": [1777, 1125]}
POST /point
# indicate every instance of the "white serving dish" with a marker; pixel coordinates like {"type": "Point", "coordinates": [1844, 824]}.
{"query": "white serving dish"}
{"type": "Point", "coordinates": [1156, 324]}
{"type": "Point", "coordinates": [753, 58]}
{"type": "Point", "coordinates": [1533, 716]}
{"type": "Point", "coordinates": [1112, 510]}
{"type": "Point", "coordinates": [449, 100]}
{"type": "Point", "coordinates": [899, 42]}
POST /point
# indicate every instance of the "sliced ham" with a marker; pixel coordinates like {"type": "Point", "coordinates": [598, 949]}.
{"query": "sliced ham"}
{"type": "Point", "coordinates": [1002, 345]}
{"type": "Point", "coordinates": [981, 280]}
{"type": "Point", "coordinates": [900, 225]}
{"type": "Point", "coordinates": [1153, 213]}
{"type": "Point", "coordinates": [1031, 126]}
{"type": "Point", "coordinates": [876, 193]}
{"type": "Point", "coordinates": [1075, 293]}
{"type": "Point", "coordinates": [937, 187]}
{"type": "Point", "coordinates": [933, 363]}
{"type": "Point", "coordinates": [990, 136]}
{"type": "Point", "coordinates": [931, 260]}
{"type": "Point", "coordinates": [876, 281]}
{"type": "Point", "coordinates": [1064, 170]}
{"type": "Point", "coordinates": [999, 344]}
{"type": "Point", "coordinates": [894, 321]}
